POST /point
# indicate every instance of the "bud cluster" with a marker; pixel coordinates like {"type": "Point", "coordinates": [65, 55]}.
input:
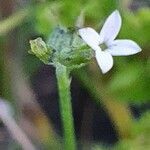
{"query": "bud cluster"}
{"type": "Point", "coordinates": [64, 46]}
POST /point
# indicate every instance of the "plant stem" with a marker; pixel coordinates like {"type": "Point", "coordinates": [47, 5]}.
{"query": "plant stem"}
{"type": "Point", "coordinates": [65, 107]}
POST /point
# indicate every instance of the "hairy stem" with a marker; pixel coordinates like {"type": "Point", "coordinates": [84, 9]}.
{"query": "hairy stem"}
{"type": "Point", "coordinates": [65, 107]}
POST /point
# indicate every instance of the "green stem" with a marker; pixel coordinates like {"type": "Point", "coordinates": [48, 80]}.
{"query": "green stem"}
{"type": "Point", "coordinates": [65, 107]}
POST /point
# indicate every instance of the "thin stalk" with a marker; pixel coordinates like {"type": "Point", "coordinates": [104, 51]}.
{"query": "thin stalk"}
{"type": "Point", "coordinates": [16, 132]}
{"type": "Point", "coordinates": [63, 82]}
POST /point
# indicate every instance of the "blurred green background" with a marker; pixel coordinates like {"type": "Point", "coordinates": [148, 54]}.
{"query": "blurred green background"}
{"type": "Point", "coordinates": [123, 94]}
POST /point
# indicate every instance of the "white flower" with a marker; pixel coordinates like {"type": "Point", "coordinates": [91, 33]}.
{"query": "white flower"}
{"type": "Point", "coordinates": [106, 38]}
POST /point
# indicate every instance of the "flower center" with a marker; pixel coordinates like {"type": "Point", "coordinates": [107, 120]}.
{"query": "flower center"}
{"type": "Point", "coordinates": [103, 46]}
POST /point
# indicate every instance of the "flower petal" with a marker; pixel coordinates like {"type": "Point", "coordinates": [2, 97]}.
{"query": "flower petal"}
{"type": "Point", "coordinates": [111, 27]}
{"type": "Point", "coordinates": [91, 37]}
{"type": "Point", "coordinates": [104, 60]}
{"type": "Point", "coordinates": [123, 48]}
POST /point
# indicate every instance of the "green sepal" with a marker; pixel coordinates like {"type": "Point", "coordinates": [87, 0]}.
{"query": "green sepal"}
{"type": "Point", "coordinates": [64, 46]}
{"type": "Point", "coordinates": [69, 49]}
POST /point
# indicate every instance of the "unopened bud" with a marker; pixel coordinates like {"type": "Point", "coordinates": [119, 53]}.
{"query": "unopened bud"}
{"type": "Point", "coordinates": [40, 50]}
{"type": "Point", "coordinates": [70, 50]}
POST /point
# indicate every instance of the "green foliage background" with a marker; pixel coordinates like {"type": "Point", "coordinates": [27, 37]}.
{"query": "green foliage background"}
{"type": "Point", "coordinates": [128, 81]}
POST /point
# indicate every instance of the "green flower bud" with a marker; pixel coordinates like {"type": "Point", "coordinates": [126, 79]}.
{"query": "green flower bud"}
{"type": "Point", "coordinates": [40, 50]}
{"type": "Point", "coordinates": [69, 49]}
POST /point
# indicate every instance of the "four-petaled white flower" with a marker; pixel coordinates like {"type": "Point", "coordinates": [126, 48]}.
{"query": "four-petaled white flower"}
{"type": "Point", "coordinates": [106, 39]}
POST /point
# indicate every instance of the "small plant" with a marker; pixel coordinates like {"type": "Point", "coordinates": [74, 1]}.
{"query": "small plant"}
{"type": "Point", "coordinates": [71, 48]}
